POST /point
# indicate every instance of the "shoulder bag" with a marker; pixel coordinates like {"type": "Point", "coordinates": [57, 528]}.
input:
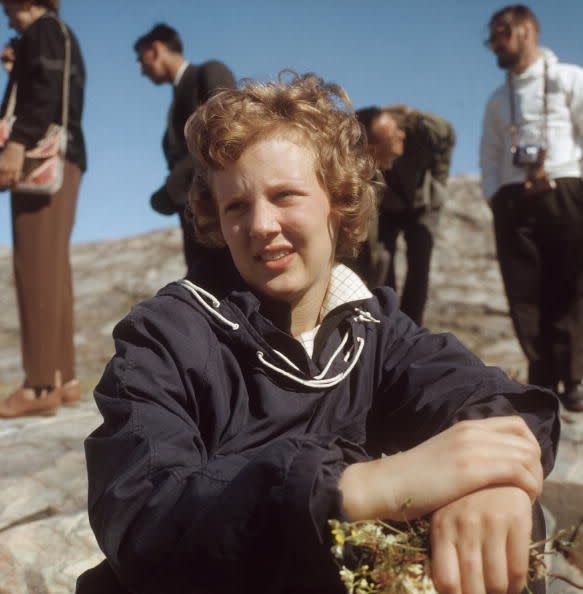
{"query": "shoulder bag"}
{"type": "Point", "coordinates": [44, 164]}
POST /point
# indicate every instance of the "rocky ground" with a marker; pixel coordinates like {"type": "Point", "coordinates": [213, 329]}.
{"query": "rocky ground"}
{"type": "Point", "coordinates": [45, 538]}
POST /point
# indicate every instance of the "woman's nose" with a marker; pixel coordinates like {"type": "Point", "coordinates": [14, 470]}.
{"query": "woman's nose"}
{"type": "Point", "coordinates": [263, 220]}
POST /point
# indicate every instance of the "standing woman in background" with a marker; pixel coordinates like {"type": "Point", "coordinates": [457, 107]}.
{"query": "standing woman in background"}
{"type": "Point", "coordinates": [42, 223]}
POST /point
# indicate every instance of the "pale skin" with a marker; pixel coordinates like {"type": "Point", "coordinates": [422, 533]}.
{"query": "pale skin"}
{"type": "Point", "coordinates": [485, 474]}
{"type": "Point", "coordinates": [478, 478]}
{"type": "Point", "coordinates": [386, 141]}
{"type": "Point", "coordinates": [276, 219]}
{"type": "Point", "coordinates": [11, 162]}
{"type": "Point", "coordinates": [480, 542]}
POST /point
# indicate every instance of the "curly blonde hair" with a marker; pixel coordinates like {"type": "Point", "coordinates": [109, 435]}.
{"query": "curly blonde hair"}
{"type": "Point", "coordinates": [305, 107]}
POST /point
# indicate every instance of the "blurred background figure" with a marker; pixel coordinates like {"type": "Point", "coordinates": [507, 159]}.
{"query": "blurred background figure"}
{"type": "Point", "coordinates": [413, 149]}
{"type": "Point", "coordinates": [42, 224]}
{"type": "Point", "coordinates": [159, 52]}
{"type": "Point", "coordinates": [531, 154]}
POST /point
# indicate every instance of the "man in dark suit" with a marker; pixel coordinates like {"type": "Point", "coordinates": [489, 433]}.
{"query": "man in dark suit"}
{"type": "Point", "coordinates": [159, 53]}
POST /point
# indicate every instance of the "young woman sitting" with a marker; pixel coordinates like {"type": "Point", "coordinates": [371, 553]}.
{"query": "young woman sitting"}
{"type": "Point", "coordinates": [272, 391]}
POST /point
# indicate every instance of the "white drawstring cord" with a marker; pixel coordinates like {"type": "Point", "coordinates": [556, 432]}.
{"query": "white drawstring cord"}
{"type": "Point", "coordinates": [198, 289]}
{"type": "Point", "coordinates": [316, 383]}
{"type": "Point", "coordinates": [192, 288]}
{"type": "Point", "coordinates": [288, 361]}
{"type": "Point", "coordinates": [365, 316]}
{"type": "Point", "coordinates": [325, 371]}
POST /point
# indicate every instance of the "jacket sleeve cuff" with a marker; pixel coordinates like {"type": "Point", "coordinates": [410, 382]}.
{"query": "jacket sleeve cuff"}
{"type": "Point", "coordinates": [310, 497]}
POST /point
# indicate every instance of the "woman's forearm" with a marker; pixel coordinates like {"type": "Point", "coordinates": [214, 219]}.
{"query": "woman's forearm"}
{"type": "Point", "coordinates": [469, 456]}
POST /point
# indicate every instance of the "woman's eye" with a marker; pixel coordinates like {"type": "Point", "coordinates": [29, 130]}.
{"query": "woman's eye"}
{"type": "Point", "coordinates": [284, 194]}
{"type": "Point", "coordinates": [233, 206]}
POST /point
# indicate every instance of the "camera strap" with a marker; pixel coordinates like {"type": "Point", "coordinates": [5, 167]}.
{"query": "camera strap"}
{"type": "Point", "coordinates": [513, 125]}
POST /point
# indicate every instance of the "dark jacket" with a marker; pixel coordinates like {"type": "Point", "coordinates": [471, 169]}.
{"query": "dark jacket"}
{"type": "Point", "coordinates": [197, 84]}
{"type": "Point", "coordinates": [38, 71]}
{"type": "Point", "coordinates": [216, 466]}
{"type": "Point", "coordinates": [418, 177]}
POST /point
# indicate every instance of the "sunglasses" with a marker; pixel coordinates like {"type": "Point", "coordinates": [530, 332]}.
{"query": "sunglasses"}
{"type": "Point", "coordinates": [500, 32]}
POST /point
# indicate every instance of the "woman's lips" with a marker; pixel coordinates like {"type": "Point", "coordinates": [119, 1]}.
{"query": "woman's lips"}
{"type": "Point", "coordinates": [274, 255]}
{"type": "Point", "coordinates": [275, 259]}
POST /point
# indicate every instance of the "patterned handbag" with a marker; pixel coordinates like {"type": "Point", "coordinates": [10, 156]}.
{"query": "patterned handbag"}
{"type": "Point", "coordinates": [44, 165]}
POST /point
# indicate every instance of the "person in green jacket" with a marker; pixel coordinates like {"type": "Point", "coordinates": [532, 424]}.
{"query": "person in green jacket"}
{"type": "Point", "coordinates": [413, 150]}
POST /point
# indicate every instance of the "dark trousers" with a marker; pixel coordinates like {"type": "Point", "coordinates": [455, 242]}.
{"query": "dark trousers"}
{"type": "Point", "coordinates": [418, 227]}
{"type": "Point", "coordinates": [539, 240]}
{"type": "Point", "coordinates": [41, 229]}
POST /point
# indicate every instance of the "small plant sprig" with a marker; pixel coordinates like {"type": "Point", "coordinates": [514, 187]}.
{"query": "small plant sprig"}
{"type": "Point", "coordinates": [375, 557]}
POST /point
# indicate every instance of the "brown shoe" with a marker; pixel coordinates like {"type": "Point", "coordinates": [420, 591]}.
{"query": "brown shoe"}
{"type": "Point", "coordinates": [24, 402]}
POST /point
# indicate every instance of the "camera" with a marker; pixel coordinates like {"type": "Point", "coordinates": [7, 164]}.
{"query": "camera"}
{"type": "Point", "coordinates": [527, 155]}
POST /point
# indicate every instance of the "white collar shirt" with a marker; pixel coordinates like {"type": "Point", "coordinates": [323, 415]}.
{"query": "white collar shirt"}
{"type": "Point", "coordinates": [564, 127]}
{"type": "Point", "coordinates": [180, 73]}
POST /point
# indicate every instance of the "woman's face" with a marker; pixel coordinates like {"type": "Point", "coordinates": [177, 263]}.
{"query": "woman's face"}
{"type": "Point", "coordinates": [276, 219]}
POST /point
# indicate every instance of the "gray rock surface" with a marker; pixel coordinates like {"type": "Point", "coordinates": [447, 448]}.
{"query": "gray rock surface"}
{"type": "Point", "coordinates": [45, 538]}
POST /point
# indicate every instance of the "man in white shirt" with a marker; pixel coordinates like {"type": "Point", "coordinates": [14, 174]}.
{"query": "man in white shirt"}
{"type": "Point", "coordinates": [531, 161]}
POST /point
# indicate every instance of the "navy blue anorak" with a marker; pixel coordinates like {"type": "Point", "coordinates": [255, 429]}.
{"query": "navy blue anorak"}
{"type": "Point", "coordinates": [217, 463]}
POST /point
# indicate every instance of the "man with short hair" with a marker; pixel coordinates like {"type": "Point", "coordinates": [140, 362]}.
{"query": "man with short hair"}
{"type": "Point", "coordinates": [159, 53]}
{"type": "Point", "coordinates": [413, 149]}
{"type": "Point", "coordinates": [531, 153]}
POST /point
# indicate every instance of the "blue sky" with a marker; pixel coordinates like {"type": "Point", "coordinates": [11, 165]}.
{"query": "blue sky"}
{"type": "Point", "coordinates": [425, 53]}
